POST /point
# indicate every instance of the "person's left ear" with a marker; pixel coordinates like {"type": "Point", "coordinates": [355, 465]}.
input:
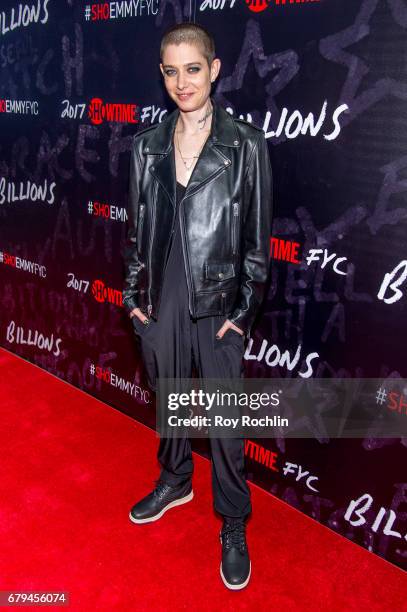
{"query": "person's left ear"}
{"type": "Point", "coordinates": [215, 69]}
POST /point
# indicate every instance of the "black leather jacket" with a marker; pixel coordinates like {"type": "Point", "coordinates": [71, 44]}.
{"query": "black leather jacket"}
{"type": "Point", "coordinates": [225, 214]}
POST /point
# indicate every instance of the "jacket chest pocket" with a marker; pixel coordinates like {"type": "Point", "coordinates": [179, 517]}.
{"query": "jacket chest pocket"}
{"type": "Point", "coordinates": [219, 271]}
{"type": "Point", "coordinates": [140, 225]}
{"type": "Point", "coordinates": [234, 227]}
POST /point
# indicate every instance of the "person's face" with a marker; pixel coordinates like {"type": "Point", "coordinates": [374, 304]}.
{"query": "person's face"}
{"type": "Point", "coordinates": [187, 76]}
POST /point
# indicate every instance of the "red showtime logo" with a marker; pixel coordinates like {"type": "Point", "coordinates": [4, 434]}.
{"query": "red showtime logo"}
{"type": "Point", "coordinates": [122, 113]}
{"type": "Point", "coordinates": [101, 293]}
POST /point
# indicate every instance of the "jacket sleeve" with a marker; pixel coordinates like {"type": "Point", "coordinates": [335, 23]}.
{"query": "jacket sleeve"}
{"type": "Point", "coordinates": [130, 257]}
{"type": "Point", "coordinates": [255, 244]}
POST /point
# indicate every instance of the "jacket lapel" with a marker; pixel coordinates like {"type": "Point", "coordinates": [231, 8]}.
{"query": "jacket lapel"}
{"type": "Point", "coordinates": [211, 162]}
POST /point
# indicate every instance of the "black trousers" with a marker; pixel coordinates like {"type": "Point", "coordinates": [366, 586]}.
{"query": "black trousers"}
{"type": "Point", "coordinates": [171, 346]}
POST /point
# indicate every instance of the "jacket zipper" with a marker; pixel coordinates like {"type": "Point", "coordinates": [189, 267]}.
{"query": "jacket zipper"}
{"type": "Point", "coordinates": [223, 295]}
{"type": "Point", "coordinates": [186, 262]}
{"type": "Point", "coordinates": [140, 226]}
{"type": "Point", "coordinates": [150, 306]}
{"type": "Point", "coordinates": [234, 226]}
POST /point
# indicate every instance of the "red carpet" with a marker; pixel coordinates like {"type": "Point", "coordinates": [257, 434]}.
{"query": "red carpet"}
{"type": "Point", "coordinates": [72, 468]}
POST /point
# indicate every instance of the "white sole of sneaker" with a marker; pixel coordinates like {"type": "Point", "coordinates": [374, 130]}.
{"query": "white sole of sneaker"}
{"type": "Point", "coordinates": [176, 502]}
{"type": "Point", "coordinates": [235, 587]}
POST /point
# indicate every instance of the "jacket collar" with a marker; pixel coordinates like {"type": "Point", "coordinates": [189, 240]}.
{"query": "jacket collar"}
{"type": "Point", "coordinates": [223, 131]}
{"type": "Point", "coordinates": [212, 161]}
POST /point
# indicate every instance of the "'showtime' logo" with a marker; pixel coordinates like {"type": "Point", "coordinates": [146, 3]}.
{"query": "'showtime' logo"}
{"type": "Point", "coordinates": [101, 293]}
{"type": "Point", "coordinates": [122, 113]}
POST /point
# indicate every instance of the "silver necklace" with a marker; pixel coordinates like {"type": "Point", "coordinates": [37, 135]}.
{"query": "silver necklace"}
{"type": "Point", "coordinates": [199, 152]}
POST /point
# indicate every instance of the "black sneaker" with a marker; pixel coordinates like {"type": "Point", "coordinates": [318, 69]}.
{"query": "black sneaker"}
{"type": "Point", "coordinates": [161, 499]}
{"type": "Point", "coordinates": [235, 568]}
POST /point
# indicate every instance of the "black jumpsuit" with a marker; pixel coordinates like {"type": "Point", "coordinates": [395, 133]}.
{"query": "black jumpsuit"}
{"type": "Point", "coordinates": [170, 345]}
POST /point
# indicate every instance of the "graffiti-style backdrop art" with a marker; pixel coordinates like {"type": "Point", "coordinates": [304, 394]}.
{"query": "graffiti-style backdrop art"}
{"type": "Point", "coordinates": [327, 81]}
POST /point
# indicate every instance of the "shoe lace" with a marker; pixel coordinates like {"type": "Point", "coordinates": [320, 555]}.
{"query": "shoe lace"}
{"type": "Point", "coordinates": [161, 488]}
{"type": "Point", "coordinates": [233, 535]}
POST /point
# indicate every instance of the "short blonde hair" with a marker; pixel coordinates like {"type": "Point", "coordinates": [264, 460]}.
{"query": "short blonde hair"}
{"type": "Point", "coordinates": [190, 33]}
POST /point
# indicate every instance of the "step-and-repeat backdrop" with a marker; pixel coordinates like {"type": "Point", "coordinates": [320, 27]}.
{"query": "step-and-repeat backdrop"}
{"type": "Point", "coordinates": [327, 82]}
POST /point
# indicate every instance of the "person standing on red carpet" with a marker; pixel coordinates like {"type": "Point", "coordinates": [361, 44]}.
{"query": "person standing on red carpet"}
{"type": "Point", "coordinates": [196, 266]}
